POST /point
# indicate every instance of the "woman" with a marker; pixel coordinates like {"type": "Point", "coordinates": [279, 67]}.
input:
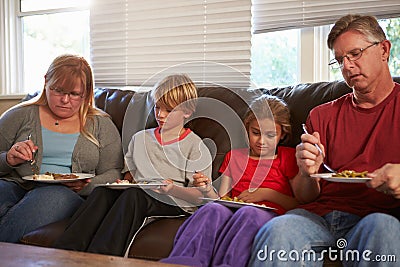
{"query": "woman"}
{"type": "Point", "coordinates": [61, 132]}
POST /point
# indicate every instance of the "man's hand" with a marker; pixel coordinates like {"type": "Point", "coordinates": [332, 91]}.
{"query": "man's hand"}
{"type": "Point", "coordinates": [386, 180]}
{"type": "Point", "coordinates": [309, 159]}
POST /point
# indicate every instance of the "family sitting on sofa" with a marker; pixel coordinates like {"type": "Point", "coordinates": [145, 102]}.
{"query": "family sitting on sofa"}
{"type": "Point", "coordinates": [61, 131]}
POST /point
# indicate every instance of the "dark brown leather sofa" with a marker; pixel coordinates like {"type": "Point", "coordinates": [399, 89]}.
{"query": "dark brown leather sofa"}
{"type": "Point", "coordinates": [217, 120]}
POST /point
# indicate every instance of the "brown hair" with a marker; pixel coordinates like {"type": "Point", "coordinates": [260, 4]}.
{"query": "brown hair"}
{"type": "Point", "coordinates": [269, 107]}
{"type": "Point", "coordinates": [174, 90]}
{"type": "Point", "coordinates": [65, 70]}
{"type": "Point", "coordinates": [366, 25]}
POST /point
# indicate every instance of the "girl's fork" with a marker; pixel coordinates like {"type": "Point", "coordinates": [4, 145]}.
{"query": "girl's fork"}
{"type": "Point", "coordinates": [320, 151]}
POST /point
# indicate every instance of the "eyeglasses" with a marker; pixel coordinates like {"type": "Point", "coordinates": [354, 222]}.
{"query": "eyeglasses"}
{"type": "Point", "coordinates": [72, 95]}
{"type": "Point", "coordinates": [351, 56]}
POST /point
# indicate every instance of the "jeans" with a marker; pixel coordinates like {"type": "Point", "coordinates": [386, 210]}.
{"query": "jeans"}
{"type": "Point", "coordinates": [23, 211]}
{"type": "Point", "coordinates": [302, 238]}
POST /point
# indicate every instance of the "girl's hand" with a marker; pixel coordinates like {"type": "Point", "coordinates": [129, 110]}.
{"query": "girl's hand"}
{"type": "Point", "coordinates": [252, 196]}
{"type": "Point", "coordinates": [165, 189]}
{"type": "Point", "coordinates": [21, 152]}
{"type": "Point", "coordinates": [78, 185]}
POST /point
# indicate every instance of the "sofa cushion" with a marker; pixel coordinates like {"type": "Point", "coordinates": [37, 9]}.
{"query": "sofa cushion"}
{"type": "Point", "coordinates": [160, 232]}
{"type": "Point", "coordinates": [46, 235]}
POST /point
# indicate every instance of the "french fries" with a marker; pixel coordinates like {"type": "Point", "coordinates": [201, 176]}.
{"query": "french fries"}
{"type": "Point", "coordinates": [235, 199]}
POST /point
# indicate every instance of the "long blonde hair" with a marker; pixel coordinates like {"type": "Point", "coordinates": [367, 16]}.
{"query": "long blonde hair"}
{"type": "Point", "coordinates": [68, 69]}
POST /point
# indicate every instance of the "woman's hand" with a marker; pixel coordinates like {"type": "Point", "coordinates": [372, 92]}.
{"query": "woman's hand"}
{"type": "Point", "coordinates": [386, 180]}
{"type": "Point", "coordinates": [21, 152]}
{"type": "Point", "coordinates": [78, 185]}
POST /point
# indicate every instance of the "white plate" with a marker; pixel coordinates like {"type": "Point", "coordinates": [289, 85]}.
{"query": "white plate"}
{"type": "Point", "coordinates": [328, 177]}
{"type": "Point", "coordinates": [235, 204]}
{"type": "Point", "coordinates": [81, 177]}
{"type": "Point", "coordinates": [126, 186]}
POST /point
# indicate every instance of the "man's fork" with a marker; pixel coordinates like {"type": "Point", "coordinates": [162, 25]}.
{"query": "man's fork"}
{"type": "Point", "coordinates": [320, 151]}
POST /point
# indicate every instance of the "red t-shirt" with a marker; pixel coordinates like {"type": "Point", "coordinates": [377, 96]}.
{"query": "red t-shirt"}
{"type": "Point", "coordinates": [246, 172]}
{"type": "Point", "coordinates": [357, 139]}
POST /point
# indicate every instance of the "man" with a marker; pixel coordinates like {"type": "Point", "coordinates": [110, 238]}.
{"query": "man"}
{"type": "Point", "coordinates": [360, 131]}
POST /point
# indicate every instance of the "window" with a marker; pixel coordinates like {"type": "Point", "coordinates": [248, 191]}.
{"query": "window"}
{"type": "Point", "coordinates": [312, 19]}
{"type": "Point", "coordinates": [274, 58]}
{"type": "Point", "coordinates": [127, 41]}
{"type": "Point", "coordinates": [44, 29]}
{"type": "Point", "coordinates": [277, 57]}
{"type": "Point", "coordinates": [135, 43]}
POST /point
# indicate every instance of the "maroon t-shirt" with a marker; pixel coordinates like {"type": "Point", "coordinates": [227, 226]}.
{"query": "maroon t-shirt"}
{"type": "Point", "coordinates": [356, 139]}
{"type": "Point", "coordinates": [246, 172]}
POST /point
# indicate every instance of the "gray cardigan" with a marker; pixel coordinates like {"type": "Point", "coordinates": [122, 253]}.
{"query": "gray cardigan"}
{"type": "Point", "coordinates": [105, 161]}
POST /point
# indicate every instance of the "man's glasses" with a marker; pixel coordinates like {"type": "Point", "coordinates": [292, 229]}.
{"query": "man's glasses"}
{"type": "Point", "coordinates": [353, 55]}
{"type": "Point", "coordinates": [60, 92]}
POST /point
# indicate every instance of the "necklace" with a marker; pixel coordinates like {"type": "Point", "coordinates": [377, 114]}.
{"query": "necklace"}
{"type": "Point", "coordinates": [56, 123]}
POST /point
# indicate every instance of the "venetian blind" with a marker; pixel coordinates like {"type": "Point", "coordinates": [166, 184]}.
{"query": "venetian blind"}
{"type": "Point", "coordinates": [136, 43]}
{"type": "Point", "coordinates": [274, 15]}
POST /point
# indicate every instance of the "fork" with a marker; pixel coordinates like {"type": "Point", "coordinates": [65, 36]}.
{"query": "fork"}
{"type": "Point", "coordinates": [320, 151]}
{"type": "Point", "coordinates": [34, 167]}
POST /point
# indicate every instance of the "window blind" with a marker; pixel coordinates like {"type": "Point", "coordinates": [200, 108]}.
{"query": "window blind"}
{"type": "Point", "coordinates": [274, 15]}
{"type": "Point", "coordinates": [136, 43]}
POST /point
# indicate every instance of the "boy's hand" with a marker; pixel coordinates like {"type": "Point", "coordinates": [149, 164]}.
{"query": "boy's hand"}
{"type": "Point", "coordinates": [128, 176]}
{"type": "Point", "coordinates": [202, 182]}
{"type": "Point", "coordinates": [165, 189]}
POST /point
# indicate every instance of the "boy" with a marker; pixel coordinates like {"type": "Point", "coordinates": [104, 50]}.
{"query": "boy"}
{"type": "Point", "coordinates": [109, 219]}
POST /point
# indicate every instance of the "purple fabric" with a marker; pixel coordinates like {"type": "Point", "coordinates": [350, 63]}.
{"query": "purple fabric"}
{"type": "Point", "coordinates": [216, 236]}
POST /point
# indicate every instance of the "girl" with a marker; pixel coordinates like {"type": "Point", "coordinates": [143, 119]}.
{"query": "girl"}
{"type": "Point", "coordinates": [216, 235]}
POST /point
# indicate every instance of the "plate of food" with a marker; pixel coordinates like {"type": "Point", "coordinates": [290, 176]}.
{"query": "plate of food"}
{"type": "Point", "coordinates": [347, 176]}
{"type": "Point", "coordinates": [56, 178]}
{"type": "Point", "coordinates": [125, 184]}
{"type": "Point", "coordinates": [234, 203]}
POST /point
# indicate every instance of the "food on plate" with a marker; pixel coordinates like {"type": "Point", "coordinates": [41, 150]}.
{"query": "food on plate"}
{"type": "Point", "coordinates": [43, 177]}
{"type": "Point", "coordinates": [121, 182]}
{"type": "Point", "coordinates": [128, 182]}
{"type": "Point", "coordinates": [54, 176]}
{"type": "Point", "coordinates": [350, 174]}
{"type": "Point", "coordinates": [235, 199]}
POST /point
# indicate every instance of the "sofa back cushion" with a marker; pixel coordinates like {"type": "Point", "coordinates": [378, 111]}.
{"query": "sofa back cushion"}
{"type": "Point", "coordinates": [219, 112]}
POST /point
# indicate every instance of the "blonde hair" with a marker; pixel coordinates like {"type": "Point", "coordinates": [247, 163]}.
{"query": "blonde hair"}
{"type": "Point", "coordinates": [67, 70]}
{"type": "Point", "coordinates": [366, 25]}
{"type": "Point", "coordinates": [174, 90]}
{"type": "Point", "coordinates": [269, 107]}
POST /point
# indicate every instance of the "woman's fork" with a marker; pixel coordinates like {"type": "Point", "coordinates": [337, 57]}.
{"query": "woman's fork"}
{"type": "Point", "coordinates": [32, 161]}
{"type": "Point", "coordinates": [320, 151]}
{"type": "Point", "coordinates": [34, 167]}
